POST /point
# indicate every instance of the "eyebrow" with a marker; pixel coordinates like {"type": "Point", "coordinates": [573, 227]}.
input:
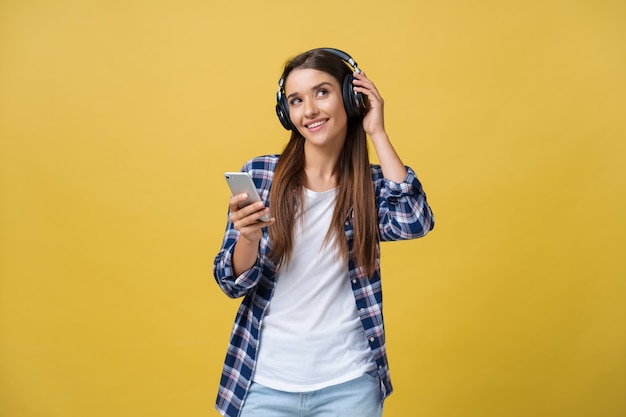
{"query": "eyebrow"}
{"type": "Point", "coordinates": [315, 87]}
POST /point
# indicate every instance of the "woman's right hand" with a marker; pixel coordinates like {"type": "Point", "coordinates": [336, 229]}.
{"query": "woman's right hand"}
{"type": "Point", "coordinates": [247, 219]}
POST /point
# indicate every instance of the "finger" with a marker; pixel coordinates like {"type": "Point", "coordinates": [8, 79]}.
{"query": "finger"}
{"type": "Point", "coordinates": [365, 86]}
{"type": "Point", "coordinates": [361, 79]}
{"type": "Point", "coordinates": [254, 231]}
{"type": "Point", "coordinates": [250, 226]}
{"type": "Point", "coordinates": [236, 200]}
{"type": "Point", "coordinates": [256, 216]}
{"type": "Point", "coordinates": [252, 209]}
{"type": "Point", "coordinates": [249, 214]}
{"type": "Point", "coordinates": [375, 100]}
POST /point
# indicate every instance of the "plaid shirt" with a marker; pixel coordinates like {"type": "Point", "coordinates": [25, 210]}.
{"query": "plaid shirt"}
{"type": "Point", "coordinates": [403, 213]}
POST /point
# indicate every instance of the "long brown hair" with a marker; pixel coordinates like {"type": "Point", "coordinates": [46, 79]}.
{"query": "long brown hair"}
{"type": "Point", "coordinates": [355, 196]}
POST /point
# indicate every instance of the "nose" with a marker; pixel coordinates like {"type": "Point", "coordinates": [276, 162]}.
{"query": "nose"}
{"type": "Point", "coordinates": [310, 108]}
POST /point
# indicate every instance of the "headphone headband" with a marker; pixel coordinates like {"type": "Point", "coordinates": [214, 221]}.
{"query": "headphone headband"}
{"type": "Point", "coordinates": [344, 57]}
{"type": "Point", "coordinates": [341, 54]}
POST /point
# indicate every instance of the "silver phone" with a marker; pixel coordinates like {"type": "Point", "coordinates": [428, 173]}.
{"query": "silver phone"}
{"type": "Point", "coordinates": [241, 182]}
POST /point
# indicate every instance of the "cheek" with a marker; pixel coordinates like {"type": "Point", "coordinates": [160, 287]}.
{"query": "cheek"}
{"type": "Point", "coordinates": [340, 111]}
{"type": "Point", "coordinates": [294, 113]}
{"type": "Point", "coordinates": [336, 108]}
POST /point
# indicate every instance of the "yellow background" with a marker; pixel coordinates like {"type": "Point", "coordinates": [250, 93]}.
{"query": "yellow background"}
{"type": "Point", "coordinates": [118, 119]}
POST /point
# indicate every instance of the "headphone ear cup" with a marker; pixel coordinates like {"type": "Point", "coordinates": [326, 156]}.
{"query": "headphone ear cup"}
{"type": "Point", "coordinates": [354, 102]}
{"type": "Point", "coordinates": [282, 111]}
{"type": "Point", "coordinates": [348, 96]}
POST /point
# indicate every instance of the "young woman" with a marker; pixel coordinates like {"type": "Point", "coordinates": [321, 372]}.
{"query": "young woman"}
{"type": "Point", "coordinates": [308, 339]}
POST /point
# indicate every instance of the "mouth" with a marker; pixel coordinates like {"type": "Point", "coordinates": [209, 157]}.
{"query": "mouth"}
{"type": "Point", "coordinates": [316, 124]}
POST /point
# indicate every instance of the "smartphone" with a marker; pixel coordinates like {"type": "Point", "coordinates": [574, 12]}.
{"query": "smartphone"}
{"type": "Point", "coordinates": [241, 182]}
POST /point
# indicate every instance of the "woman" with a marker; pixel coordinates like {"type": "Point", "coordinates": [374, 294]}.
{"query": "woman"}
{"type": "Point", "coordinates": [308, 339]}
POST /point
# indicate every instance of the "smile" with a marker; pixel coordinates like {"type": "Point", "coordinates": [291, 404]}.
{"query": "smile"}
{"type": "Point", "coordinates": [316, 124]}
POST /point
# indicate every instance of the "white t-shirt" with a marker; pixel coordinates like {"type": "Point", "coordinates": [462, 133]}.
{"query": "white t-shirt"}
{"type": "Point", "coordinates": [311, 336]}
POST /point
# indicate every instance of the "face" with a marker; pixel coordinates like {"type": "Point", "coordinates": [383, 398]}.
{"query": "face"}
{"type": "Point", "coordinates": [316, 107]}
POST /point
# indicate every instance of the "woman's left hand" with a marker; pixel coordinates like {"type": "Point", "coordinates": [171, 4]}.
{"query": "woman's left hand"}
{"type": "Point", "coordinates": [373, 122]}
{"type": "Point", "coordinates": [374, 126]}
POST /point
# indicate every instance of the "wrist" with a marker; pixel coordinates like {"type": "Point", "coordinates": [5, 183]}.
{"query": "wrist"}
{"type": "Point", "coordinates": [379, 136]}
{"type": "Point", "coordinates": [247, 242]}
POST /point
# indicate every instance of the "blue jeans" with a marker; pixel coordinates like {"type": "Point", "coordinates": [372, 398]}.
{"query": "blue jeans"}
{"type": "Point", "coordinates": [360, 397]}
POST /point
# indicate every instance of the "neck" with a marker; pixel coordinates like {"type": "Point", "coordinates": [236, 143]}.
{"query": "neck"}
{"type": "Point", "coordinates": [320, 171]}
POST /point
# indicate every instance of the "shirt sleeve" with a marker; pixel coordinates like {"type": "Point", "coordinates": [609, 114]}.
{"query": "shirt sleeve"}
{"type": "Point", "coordinates": [403, 211]}
{"type": "Point", "coordinates": [239, 286]}
{"type": "Point", "coordinates": [234, 286]}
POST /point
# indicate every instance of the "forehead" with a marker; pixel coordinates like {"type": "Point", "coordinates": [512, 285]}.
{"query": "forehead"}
{"type": "Point", "coordinates": [303, 79]}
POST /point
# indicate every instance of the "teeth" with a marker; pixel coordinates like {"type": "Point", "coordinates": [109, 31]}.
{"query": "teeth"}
{"type": "Point", "coordinates": [316, 124]}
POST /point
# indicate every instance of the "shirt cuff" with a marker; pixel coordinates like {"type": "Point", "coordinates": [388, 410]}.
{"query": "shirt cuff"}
{"type": "Point", "coordinates": [395, 190]}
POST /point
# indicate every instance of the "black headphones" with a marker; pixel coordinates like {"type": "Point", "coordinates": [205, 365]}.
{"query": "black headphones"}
{"type": "Point", "coordinates": [354, 103]}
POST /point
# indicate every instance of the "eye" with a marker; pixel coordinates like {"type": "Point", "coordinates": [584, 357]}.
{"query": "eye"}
{"type": "Point", "coordinates": [294, 101]}
{"type": "Point", "coordinates": [322, 92]}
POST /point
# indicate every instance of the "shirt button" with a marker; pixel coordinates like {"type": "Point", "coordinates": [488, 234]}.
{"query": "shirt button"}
{"type": "Point", "coordinates": [354, 281]}
{"type": "Point", "coordinates": [372, 339]}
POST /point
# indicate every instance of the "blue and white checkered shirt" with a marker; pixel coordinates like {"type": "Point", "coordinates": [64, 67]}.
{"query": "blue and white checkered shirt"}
{"type": "Point", "coordinates": [403, 213]}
